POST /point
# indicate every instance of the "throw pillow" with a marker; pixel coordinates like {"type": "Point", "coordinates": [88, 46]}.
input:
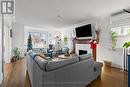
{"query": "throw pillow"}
{"type": "Point", "coordinates": [43, 55]}
{"type": "Point", "coordinates": [85, 56]}
{"type": "Point", "coordinates": [32, 54]}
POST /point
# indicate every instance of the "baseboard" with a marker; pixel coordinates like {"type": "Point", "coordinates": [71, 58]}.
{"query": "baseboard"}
{"type": "Point", "coordinates": [117, 67]}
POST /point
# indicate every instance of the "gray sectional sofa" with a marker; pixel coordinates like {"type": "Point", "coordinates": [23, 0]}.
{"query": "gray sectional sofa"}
{"type": "Point", "coordinates": [71, 72]}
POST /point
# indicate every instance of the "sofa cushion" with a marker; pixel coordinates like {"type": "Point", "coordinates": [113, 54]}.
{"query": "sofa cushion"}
{"type": "Point", "coordinates": [44, 50]}
{"type": "Point", "coordinates": [32, 54]}
{"type": "Point", "coordinates": [85, 56]}
{"type": "Point", "coordinates": [41, 54]}
{"type": "Point", "coordinates": [52, 65]}
{"type": "Point", "coordinates": [41, 62]}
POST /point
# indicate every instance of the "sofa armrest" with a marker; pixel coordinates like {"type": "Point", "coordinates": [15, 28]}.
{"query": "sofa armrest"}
{"type": "Point", "coordinates": [98, 67]}
{"type": "Point", "coordinates": [98, 64]}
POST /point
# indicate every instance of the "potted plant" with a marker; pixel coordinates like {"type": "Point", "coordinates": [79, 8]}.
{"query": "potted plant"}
{"type": "Point", "coordinates": [114, 36]}
{"type": "Point", "coordinates": [16, 54]}
{"type": "Point", "coordinates": [65, 40]}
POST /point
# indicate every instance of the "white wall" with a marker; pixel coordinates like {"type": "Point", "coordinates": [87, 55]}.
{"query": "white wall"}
{"type": "Point", "coordinates": [1, 74]}
{"type": "Point", "coordinates": [104, 51]}
{"type": "Point", "coordinates": [18, 37]}
{"type": "Point", "coordinates": [104, 47]}
{"type": "Point", "coordinates": [7, 40]}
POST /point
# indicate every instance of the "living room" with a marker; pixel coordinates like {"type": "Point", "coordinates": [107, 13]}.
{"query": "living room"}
{"type": "Point", "coordinates": [53, 27]}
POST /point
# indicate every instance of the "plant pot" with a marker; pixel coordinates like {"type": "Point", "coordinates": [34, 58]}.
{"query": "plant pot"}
{"type": "Point", "coordinates": [14, 59]}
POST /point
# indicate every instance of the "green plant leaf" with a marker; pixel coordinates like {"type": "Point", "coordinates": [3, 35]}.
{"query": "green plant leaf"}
{"type": "Point", "coordinates": [126, 44]}
{"type": "Point", "coordinates": [114, 36]}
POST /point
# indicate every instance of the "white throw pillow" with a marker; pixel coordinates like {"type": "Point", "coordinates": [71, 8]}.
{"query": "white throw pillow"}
{"type": "Point", "coordinates": [85, 56]}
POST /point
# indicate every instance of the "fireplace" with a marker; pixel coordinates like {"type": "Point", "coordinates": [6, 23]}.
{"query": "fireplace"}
{"type": "Point", "coordinates": [83, 45]}
{"type": "Point", "coordinates": [81, 52]}
{"type": "Point", "coordinates": [83, 48]}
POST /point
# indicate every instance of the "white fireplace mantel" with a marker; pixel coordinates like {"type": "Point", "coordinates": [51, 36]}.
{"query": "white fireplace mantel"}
{"type": "Point", "coordinates": [83, 47]}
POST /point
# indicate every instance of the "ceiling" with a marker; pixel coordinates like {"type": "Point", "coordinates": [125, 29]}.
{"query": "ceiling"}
{"type": "Point", "coordinates": [64, 13]}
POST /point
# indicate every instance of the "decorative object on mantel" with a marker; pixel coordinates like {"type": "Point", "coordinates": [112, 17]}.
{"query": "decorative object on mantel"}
{"type": "Point", "coordinates": [29, 46]}
{"type": "Point", "coordinates": [114, 36]}
{"type": "Point", "coordinates": [97, 31]}
{"type": "Point", "coordinates": [93, 46]}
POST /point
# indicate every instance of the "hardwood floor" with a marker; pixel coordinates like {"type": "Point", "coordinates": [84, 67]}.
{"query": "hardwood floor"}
{"type": "Point", "coordinates": [111, 77]}
{"type": "Point", "coordinates": [16, 76]}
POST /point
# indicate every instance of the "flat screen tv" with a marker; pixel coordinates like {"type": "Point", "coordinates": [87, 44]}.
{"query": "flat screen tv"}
{"type": "Point", "coordinates": [84, 32]}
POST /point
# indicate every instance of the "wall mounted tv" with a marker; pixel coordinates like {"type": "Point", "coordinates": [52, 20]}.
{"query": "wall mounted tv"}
{"type": "Point", "coordinates": [84, 32]}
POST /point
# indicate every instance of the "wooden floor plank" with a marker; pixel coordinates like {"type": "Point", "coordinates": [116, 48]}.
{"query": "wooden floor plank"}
{"type": "Point", "coordinates": [111, 77]}
{"type": "Point", "coordinates": [15, 75]}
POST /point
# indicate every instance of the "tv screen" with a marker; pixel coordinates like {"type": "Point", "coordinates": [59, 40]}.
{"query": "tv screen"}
{"type": "Point", "coordinates": [84, 31]}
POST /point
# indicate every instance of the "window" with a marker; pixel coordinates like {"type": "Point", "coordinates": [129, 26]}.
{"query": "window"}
{"type": "Point", "coordinates": [126, 30]}
{"type": "Point", "coordinates": [117, 30]}
{"type": "Point", "coordinates": [39, 39]}
{"type": "Point", "coordinates": [122, 30]}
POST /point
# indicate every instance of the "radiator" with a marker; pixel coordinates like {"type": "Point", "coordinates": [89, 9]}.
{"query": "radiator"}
{"type": "Point", "coordinates": [125, 59]}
